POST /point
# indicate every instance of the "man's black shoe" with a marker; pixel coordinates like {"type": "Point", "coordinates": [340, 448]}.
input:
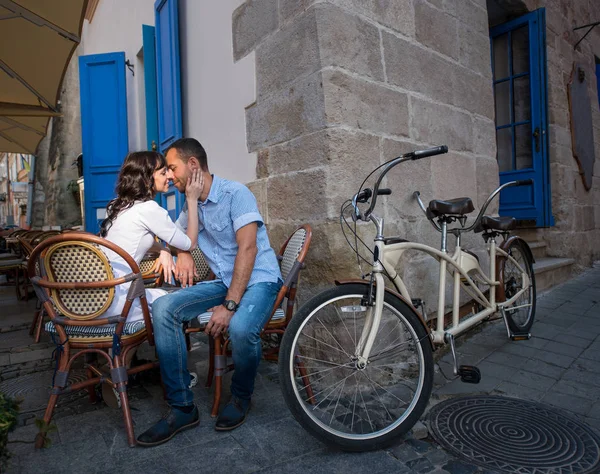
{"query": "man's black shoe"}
{"type": "Point", "coordinates": [233, 415]}
{"type": "Point", "coordinates": [172, 423]}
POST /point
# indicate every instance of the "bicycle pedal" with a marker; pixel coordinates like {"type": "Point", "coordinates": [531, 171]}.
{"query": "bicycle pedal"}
{"type": "Point", "coordinates": [469, 374]}
{"type": "Point", "coordinates": [520, 336]}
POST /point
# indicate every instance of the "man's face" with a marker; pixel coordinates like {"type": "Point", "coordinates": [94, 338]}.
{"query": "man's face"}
{"type": "Point", "coordinates": [180, 170]}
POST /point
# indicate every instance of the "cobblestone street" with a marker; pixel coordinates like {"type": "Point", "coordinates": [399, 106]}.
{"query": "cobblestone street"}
{"type": "Point", "coordinates": [558, 367]}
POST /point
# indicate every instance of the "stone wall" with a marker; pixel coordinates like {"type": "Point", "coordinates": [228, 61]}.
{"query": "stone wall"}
{"type": "Point", "coordinates": [345, 85]}
{"type": "Point", "coordinates": [53, 203]}
{"type": "Point", "coordinates": [576, 211]}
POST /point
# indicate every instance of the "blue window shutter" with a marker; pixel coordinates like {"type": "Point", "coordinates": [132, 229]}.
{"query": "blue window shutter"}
{"type": "Point", "coordinates": [598, 79]}
{"type": "Point", "coordinates": [168, 78]}
{"type": "Point", "coordinates": [168, 72]}
{"type": "Point", "coordinates": [103, 130]}
{"type": "Point", "coordinates": [149, 43]}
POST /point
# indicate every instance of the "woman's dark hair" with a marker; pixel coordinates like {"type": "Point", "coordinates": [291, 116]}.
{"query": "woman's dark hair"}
{"type": "Point", "coordinates": [135, 183]}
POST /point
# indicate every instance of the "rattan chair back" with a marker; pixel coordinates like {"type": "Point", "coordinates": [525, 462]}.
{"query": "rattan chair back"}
{"type": "Point", "coordinates": [79, 262]}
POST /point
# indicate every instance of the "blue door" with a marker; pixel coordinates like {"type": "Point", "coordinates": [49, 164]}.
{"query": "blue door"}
{"type": "Point", "coordinates": [104, 131]}
{"type": "Point", "coordinates": [519, 72]}
{"type": "Point", "coordinates": [151, 93]}
{"type": "Point", "coordinates": [169, 88]}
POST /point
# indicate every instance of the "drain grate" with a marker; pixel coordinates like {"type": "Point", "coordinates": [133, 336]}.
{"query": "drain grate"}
{"type": "Point", "coordinates": [34, 389]}
{"type": "Point", "coordinates": [513, 435]}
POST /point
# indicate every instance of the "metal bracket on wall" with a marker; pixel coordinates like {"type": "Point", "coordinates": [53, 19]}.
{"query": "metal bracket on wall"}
{"type": "Point", "coordinates": [130, 66]}
{"type": "Point", "coordinates": [591, 27]}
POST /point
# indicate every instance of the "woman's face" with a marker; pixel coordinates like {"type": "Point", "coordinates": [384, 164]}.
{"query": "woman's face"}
{"type": "Point", "coordinates": [161, 180]}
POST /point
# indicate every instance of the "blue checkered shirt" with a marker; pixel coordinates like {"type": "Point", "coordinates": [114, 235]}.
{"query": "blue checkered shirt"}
{"type": "Point", "coordinates": [229, 207]}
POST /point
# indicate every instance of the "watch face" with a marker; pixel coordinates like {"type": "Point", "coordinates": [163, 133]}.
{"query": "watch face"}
{"type": "Point", "coordinates": [230, 305]}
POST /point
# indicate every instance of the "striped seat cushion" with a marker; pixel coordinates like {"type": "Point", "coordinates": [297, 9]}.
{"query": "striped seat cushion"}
{"type": "Point", "coordinates": [204, 318]}
{"type": "Point", "coordinates": [97, 331]}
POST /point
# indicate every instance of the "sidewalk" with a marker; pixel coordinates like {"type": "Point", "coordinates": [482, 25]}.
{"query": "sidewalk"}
{"type": "Point", "coordinates": [559, 366]}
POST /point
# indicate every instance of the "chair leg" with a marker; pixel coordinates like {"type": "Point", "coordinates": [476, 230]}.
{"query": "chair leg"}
{"type": "Point", "coordinates": [40, 323]}
{"type": "Point", "coordinates": [121, 388]}
{"type": "Point", "coordinates": [33, 326]}
{"type": "Point", "coordinates": [220, 369]}
{"type": "Point", "coordinates": [91, 389]}
{"type": "Point", "coordinates": [211, 362]}
{"type": "Point", "coordinates": [40, 438]}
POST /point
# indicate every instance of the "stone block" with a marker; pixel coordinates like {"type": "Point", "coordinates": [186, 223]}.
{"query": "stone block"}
{"type": "Point", "coordinates": [405, 179]}
{"type": "Point", "coordinates": [417, 69]}
{"type": "Point", "coordinates": [474, 51]}
{"type": "Point", "coordinates": [349, 42]}
{"type": "Point", "coordinates": [21, 357]}
{"type": "Point", "coordinates": [397, 15]}
{"type": "Point", "coordinates": [291, 52]}
{"type": "Point", "coordinates": [454, 176]}
{"type": "Point", "coordinates": [487, 178]}
{"type": "Point", "coordinates": [440, 124]}
{"type": "Point", "coordinates": [484, 137]}
{"type": "Point", "coordinates": [302, 153]}
{"type": "Point", "coordinates": [290, 8]}
{"type": "Point", "coordinates": [299, 194]}
{"type": "Point", "coordinates": [282, 117]}
{"type": "Point", "coordinates": [472, 14]}
{"type": "Point", "coordinates": [259, 189]}
{"type": "Point", "coordinates": [352, 156]}
{"type": "Point", "coordinates": [364, 105]}
{"type": "Point", "coordinates": [436, 29]}
{"type": "Point", "coordinates": [252, 21]}
{"type": "Point", "coordinates": [559, 116]}
{"type": "Point", "coordinates": [474, 93]}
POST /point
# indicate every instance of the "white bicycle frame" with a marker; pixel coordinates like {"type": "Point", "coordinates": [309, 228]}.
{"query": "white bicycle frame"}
{"type": "Point", "coordinates": [460, 264]}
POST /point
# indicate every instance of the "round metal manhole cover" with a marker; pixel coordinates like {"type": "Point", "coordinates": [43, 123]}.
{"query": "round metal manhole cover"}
{"type": "Point", "coordinates": [510, 435]}
{"type": "Point", "coordinates": [34, 389]}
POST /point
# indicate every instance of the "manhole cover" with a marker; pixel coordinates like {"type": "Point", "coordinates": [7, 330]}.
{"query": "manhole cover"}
{"type": "Point", "coordinates": [513, 435]}
{"type": "Point", "coordinates": [34, 389]}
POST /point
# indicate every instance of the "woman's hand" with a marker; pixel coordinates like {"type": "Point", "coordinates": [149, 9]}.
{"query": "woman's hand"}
{"type": "Point", "coordinates": [194, 186]}
{"type": "Point", "coordinates": [165, 260]}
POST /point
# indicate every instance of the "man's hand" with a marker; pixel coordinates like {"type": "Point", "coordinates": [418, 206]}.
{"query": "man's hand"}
{"type": "Point", "coordinates": [219, 321]}
{"type": "Point", "coordinates": [185, 269]}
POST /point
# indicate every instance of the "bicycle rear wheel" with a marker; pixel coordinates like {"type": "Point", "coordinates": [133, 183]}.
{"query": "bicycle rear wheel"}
{"type": "Point", "coordinates": [355, 409]}
{"type": "Point", "coordinates": [521, 313]}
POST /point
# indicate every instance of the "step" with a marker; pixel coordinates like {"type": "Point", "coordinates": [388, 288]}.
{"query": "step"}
{"type": "Point", "coordinates": [538, 249]}
{"type": "Point", "coordinates": [550, 271]}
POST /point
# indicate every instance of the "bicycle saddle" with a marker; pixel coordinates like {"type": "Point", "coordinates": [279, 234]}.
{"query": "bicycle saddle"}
{"type": "Point", "coordinates": [502, 223]}
{"type": "Point", "coordinates": [458, 206]}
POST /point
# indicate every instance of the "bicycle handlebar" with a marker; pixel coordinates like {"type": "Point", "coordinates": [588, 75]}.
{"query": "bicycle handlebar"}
{"type": "Point", "coordinates": [414, 155]}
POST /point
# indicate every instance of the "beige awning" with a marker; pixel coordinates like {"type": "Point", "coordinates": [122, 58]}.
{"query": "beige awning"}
{"type": "Point", "coordinates": [37, 40]}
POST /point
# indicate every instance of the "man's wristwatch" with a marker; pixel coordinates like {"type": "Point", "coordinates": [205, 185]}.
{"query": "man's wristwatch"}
{"type": "Point", "coordinates": [231, 305]}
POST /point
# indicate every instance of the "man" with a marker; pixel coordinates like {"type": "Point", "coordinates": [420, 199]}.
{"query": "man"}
{"type": "Point", "coordinates": [234, 241]}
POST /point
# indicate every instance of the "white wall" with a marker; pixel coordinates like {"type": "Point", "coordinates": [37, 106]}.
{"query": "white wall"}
{"type": "Point", "coordinates": [116, 27]}
{"type": "Point", "coordinates": [215, 91]}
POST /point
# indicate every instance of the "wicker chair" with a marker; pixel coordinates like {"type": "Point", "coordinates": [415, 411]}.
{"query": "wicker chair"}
{"type": "Point", "coordinates": [291, 258]}
{"type": "Point", "coordinates": [76, 286]}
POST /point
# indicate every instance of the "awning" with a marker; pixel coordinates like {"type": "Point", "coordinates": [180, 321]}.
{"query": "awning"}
{"type": "Point", "coordinates": [37, 40]}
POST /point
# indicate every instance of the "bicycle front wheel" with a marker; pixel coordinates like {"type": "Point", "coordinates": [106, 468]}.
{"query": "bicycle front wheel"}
{"type": "Point", "coordinates": [521, 313]}
{"type": "Point", "coordinates": [355, 409]}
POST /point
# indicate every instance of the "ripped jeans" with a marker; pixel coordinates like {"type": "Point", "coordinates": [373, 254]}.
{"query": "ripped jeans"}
{"type": "Point", "coordinates": [169, 312]}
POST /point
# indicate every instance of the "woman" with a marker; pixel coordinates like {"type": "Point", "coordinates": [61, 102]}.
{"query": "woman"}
{"type": "Point", "coordinates": [134, 219]}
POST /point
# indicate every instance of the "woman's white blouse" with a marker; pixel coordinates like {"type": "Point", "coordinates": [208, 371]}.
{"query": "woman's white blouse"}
{"type": "Point", "coordinates": [133, 230]}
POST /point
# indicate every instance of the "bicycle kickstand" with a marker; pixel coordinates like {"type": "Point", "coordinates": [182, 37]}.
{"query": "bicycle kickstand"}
{"type": "Point", "coordinates": [515, 336]}
{"type": "Point", "coordinates": [467, 373]}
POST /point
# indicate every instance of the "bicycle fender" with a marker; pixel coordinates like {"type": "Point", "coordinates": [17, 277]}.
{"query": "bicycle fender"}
{"type": "Point", "coordinates": [397, 295]}
{"type": "Point", "coordinates": [500, 260]}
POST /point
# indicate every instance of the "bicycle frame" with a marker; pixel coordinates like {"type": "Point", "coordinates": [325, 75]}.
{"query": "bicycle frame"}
{"type": "Point", "coordinates": [460, 264]}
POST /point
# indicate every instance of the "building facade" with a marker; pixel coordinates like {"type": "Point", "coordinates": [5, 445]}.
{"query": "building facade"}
{"type": "Point", "coordinates": [301, 99]}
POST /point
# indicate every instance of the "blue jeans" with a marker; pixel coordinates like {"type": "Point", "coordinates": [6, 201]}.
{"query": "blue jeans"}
{"type": "Point", "coordinates": [169, 312]}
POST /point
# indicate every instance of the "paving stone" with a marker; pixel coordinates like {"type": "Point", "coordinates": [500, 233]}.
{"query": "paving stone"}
{"type": "Point", "coordinates": [582, 376]}
{"type": "Point", "coordinates": [519, 350]}
{"type": "Point", "coordinates": [591, 354]}
{"type": "Point", "coordinates": [519, 391]}
{"type": "Point", "coordinates": [404, 452]}
{"type": "Point", "coordinates": [568, 402]}
{"type": "Point", "coordinates": [420, 465]}
{"type": "Point", "coordinates": [547, 331]}
{"type": "Point", "coordinates": [500, 371]}
{"type": "Point", "coordinates": [573, 340]}
{"type": "Point", "coordinates": [543, 368]}
{"type": "Point", "coordinates": [487, 384]}
{"type": "Point", "coordinates": [554, 359]}
{"type": "Point", "coordinates": [510, 360]}
{"type": "Point", "coordinates": [459, 467]}
{"type": "Point", "coordinates": [564, 349]}
{"type": "Point", "coordinates": [580, 333]}
{"type": "Point", "coordinates": [582, 390]}
{"type": "Point", "coordinates": [336, 461]}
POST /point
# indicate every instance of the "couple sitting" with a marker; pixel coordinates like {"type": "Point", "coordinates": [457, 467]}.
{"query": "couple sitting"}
{"type": "Point", "coordinates": [222, 218]}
